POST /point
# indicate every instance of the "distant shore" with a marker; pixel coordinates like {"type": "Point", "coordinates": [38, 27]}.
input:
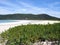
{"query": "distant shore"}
{"type": "Point", "coordinates": [6, 26]}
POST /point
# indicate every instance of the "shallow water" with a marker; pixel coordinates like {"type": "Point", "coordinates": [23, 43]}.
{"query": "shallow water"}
{"type": "Point", "coordinates": [7, 21]}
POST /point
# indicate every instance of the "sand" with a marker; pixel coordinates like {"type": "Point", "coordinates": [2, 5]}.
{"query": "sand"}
{"type": "Point", "coordinates": [6, 26]}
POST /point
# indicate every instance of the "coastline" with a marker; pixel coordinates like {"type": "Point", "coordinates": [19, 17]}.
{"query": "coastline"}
{"type": "Point", "coordinates": [6, 26]}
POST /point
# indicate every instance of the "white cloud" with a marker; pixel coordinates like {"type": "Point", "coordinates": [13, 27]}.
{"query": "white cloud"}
{"type": "Point", "coordinates": [11, 5]}
{"type": "Point", "coordinates": [29, 6]}
{"type": "Point", "coordinates": [26, 8]}
{"type": "Point", "coordinates": [4, 11]}
{"type": "Point", "coordinates": [54, 13]}
{"type": "Point", "coordinates": [54, 5]}
{"type": "Point", "coordinates": [33, 9]}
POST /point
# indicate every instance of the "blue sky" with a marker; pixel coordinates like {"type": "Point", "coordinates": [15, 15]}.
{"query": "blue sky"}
{"type": "Point", "coordinates": [51, 7]}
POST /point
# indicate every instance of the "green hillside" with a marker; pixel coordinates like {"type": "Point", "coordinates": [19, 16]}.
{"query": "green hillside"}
{"type": "Point", "coordinates": [28, 17]}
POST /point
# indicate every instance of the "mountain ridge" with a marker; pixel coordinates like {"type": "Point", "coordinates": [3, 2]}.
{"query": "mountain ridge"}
{"type": "Point", "coordinates": [28, 17]}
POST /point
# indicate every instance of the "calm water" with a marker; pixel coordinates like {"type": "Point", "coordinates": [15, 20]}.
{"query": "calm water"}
{"type": "Point", "coordinates": [7, 21]}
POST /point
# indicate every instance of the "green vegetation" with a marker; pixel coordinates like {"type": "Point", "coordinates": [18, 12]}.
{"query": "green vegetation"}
{"type": "Point", "coordinates": [28, 17]}
{"type": "Point", "coordinates": [30, 33]}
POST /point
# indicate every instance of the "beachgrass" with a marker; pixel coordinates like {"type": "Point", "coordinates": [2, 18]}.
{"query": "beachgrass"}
{"type": "Point", "coordinates": [31, 33]}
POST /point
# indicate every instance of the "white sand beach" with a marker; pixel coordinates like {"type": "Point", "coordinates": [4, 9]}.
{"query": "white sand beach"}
{"type": "Point", "coordinates": [5, 26]}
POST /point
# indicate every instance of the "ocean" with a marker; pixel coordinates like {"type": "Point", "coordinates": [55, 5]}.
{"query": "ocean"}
{"type": "Point", "coordinates": [7, 21]}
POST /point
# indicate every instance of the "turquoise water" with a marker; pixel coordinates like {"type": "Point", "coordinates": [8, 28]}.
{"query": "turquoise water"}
{"type": "Point", "coordinates": [7, 21]}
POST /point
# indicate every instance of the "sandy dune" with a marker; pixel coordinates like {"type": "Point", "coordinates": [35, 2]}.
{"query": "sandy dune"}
{"type": "Point", "coordinates": [5, 26]}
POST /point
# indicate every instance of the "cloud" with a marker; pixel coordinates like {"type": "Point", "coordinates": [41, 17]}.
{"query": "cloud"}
{"type": "Point", "coordinates": [10, 4]}
{"type": "Point", "coordinates": [32, 8]}
{"type": "Point", "coordinates": [13, 8]}
{"type": "Point", "coordinates": [23, 7]}
{"type": "Point", "coordinates": [29, 6]}
{"type": "Point", "coordinates": [55, 5]}
{"type": "Point", "coordinates": [4, 11]}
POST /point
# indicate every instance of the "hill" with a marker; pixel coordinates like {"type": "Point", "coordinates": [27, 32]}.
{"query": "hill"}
{"type": "Point", "coordinates": [28, 17]}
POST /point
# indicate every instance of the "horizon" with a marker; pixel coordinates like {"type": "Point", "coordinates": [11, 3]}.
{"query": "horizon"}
{"type": "Point", "coordinates": [50, 7]}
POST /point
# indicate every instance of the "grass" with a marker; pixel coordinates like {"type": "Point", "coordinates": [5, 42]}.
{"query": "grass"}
{"type": "Point", "coordinates": [31, 33]}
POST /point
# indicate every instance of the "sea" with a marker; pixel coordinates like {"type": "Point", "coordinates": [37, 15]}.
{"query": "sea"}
{"type": "Point", "coordinates": [7, 21]}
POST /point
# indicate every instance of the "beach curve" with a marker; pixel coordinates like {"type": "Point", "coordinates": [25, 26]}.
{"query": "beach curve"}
{"type": "Point", "coordinates": [6, 26]}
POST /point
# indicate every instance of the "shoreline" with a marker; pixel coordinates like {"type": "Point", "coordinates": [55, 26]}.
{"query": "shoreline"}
{"type": "Point", "coordinates": [6, 26]}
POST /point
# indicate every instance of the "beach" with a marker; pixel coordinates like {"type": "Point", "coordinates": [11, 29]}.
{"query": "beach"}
{"type": "Point", "coordinates": [6, 26]}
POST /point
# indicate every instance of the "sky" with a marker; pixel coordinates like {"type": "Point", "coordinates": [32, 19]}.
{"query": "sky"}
{"type": "Point", "coordinates": [51, 7]}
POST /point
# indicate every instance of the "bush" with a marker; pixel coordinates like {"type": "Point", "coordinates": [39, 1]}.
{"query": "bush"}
{"type": "Point", "coordinates": [30, 33]}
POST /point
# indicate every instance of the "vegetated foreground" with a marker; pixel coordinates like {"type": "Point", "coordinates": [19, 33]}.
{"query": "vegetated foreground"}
{"type": "Point", "coordinates": [31, 33]}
